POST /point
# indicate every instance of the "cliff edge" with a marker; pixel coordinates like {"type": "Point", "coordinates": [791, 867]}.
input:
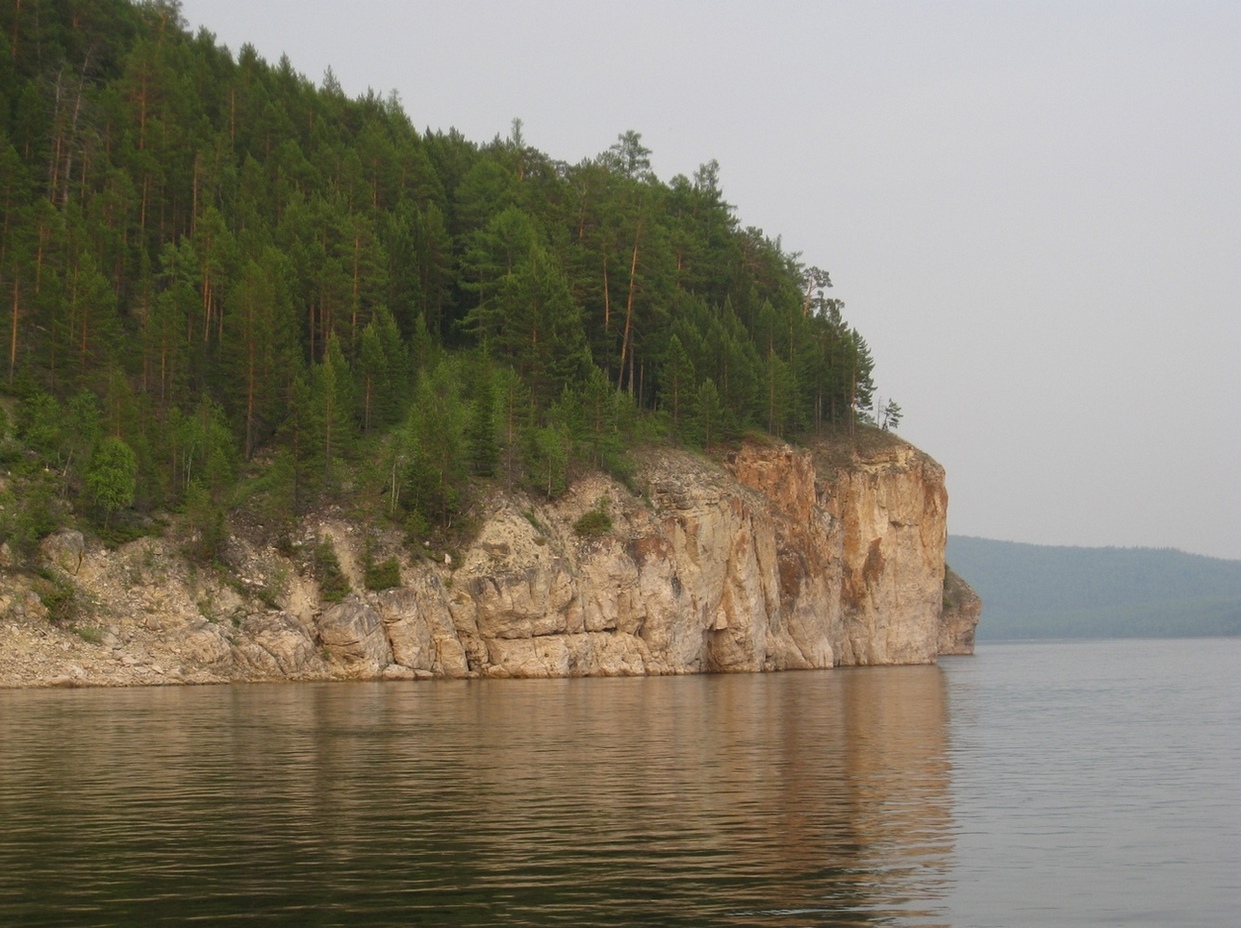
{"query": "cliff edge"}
{"type": "Point", "coordinates": [771, 558]}
{"type": "Point", "coordinates": [959, 619]}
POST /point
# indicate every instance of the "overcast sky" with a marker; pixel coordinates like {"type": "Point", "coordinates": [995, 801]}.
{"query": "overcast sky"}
{"type": "Point", "coordinates": [1031, 210]}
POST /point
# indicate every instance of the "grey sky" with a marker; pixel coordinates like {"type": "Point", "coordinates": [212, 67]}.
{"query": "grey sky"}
{"type": "Point", "coordinates": [1031, 210]}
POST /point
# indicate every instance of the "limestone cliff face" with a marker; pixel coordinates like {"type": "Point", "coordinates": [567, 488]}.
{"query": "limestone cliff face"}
{"type": "Point", "coordinates": [893, 510]}
{"type": "Point", "coordinates": [775, 558]}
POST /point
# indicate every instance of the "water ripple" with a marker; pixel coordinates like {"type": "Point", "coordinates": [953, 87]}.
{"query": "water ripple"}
{"type": "Point", "coordinates": [1006, 789]}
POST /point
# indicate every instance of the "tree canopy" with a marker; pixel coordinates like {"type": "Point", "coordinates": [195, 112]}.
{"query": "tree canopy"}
{"type": "Point", "coordinates": [221, 253]}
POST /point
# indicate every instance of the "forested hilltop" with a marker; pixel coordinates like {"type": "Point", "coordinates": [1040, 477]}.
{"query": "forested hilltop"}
{"type": "Point", "coordinates": [1042, 591]}
{"type": "Point", "coordinates": [223, 285]}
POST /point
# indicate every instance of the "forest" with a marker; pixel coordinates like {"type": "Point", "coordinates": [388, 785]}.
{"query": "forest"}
{"type": "Point", "coordinates": [1044, 591]}
{"type": "Point", "coordinates": [222, 285]}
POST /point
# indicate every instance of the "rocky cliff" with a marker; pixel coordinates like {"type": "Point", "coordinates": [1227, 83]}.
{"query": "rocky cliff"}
{"type": "Point", "coordinates": [959, 620]}
{"type": "Point", "coordinates": [772, 558]}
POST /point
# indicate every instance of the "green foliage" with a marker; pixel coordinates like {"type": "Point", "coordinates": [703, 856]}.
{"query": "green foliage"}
{"type": "Point", "coordinates": [82, 428]}
{"type": "Point", "coordinates": [481, 434]}
{"type": "Point", "coordinates": [58, 595]}
{"type": "Point", "coordinates": [41, 424]}
{"type": "Point", "coordinates": [890, 415]}
{"type": "Point", "coordinates": [31, 517]}
{"type": "Point", "coordinates": [112, 475]}
{"type": "Point", "coordinates": [333, 584]}
{"type": "Point", "coordinates": [88, 633]}
{"type": "Point", "coordinates": [254, 268]}
{"type": "Point", "coordinates": [707, 415]}
{"type": "Point", "coordinates": [594, 522]}
{"type": "Point", "coordinates": [384, 575]}
{"type": "Point", "coordinates": [676, 379]}
{"type": "Point", "coordinates": [332, 424]}
{"type": "Point", "coordinates": [598, 417]}
{"type": "Point", "coordinates": [547, 460]}
{"type": "Point", "coordinates": [205, 523]}
{"type": "Point", "coordinates": [273, 492]}
{"type": "Point", "coordinates": [203, 447]}
{"type": "Point", "coordinates": [436, 465]}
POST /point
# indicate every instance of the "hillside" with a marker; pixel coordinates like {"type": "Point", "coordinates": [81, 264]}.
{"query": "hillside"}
{"type": "Point", "coordinates": [1037, 591]}
{"type": "Point", "coordinates": [214, 270]}
{"type": "Point", "coordinates": [279, 362]}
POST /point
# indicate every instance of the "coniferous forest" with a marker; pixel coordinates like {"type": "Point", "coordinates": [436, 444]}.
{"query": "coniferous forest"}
{"type": "Point", "coordinates": [221, 284]}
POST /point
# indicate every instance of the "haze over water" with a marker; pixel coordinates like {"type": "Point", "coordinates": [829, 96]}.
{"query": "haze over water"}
{"type": "Point", "coordinates": [1034, 784]}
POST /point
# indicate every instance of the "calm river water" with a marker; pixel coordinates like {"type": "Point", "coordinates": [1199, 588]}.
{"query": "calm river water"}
{"type": "Point", "coordinates": [1035, 784]}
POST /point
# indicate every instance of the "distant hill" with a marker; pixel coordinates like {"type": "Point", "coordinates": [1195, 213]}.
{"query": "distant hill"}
{"type": "Point", "coordinates": [1042, 591]}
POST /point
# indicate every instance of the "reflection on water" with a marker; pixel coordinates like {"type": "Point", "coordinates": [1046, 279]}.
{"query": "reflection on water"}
{"type": "Point", "coordinates": [789, 799]}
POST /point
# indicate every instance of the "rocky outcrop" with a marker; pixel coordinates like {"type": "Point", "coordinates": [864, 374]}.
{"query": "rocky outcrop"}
{"type": "Point", "coordinates": [353, 633]}
{"type": "Point", "coordinates": [772, 558]}
{"type": "Point", "coordinates": [959, 618]}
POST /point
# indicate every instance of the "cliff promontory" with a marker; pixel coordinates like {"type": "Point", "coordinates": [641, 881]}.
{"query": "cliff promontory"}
{"type": "Point", "coordinates": [770, 558]}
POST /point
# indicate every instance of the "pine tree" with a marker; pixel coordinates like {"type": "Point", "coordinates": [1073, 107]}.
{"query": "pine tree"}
{"type": "Point", "coordinates": [547, 459]}
{"type": "Point", "coordinates": [437, 469]}
{"type": "Point", "coordinates": [332, 409]}
{"type": "Point", "coordinates": [676, 378]}
{"type": "Point", "coordinates": [372, 373]}
{"type": "Point", "coordinates": [708, 412]}
{"type": "Point", "coordinates": [260, 344]}
{"type": "Point", "coordinates": [484, 449]}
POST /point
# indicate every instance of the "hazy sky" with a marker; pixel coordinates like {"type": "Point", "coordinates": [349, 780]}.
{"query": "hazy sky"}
{"type": "Point", "coordinates": [1031, 210]}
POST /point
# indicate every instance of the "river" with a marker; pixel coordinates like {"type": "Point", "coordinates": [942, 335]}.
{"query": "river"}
{"type": "Point", "coordinates": [1083, 783]}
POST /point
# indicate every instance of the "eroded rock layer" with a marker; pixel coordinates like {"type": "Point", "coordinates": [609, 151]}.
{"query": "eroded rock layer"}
{"type": "Point", "coordinates": [774, 558]}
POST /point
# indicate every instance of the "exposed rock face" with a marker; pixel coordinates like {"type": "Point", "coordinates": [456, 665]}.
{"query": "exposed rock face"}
{"type": "Point", "coordinates": [354, 633]}
{"type": "Point", "coordinates": [893, 511]}
{"type": "Point", "coordinates": [774, 559]}
{"type": "Point", "coordinates": [277, 645]}
{"type": "Point", "coordinates": [419, 627]}
{"type": "Point", "coordinates": [959, 621]}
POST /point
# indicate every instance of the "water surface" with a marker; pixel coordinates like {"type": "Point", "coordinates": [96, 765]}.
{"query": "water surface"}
{"type": "Point", "coordinates": [1033, 784]}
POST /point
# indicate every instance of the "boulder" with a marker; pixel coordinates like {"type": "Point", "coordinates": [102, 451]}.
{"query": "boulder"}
{"type": "Point", "coordinates": [65, 549]}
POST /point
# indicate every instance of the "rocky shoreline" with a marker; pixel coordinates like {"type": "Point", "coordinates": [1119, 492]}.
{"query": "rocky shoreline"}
{"type": "Point", "coordinates": [772, 558]}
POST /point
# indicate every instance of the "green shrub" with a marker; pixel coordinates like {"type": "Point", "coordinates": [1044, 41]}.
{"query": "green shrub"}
{"type": "Point", "coordinates": [31, 518]}
{"type": "Point", "coordinates": [595, 522]}
{"type": "Point", "coordinates": [122, 531]}
{"type": "Point", "coordinates": [89, 633]}
{"type": "Point", "coordinates": [417, 527]}
{"type": "Point", "coordinates": [11, 452]}
{"type": "Point", "coordinates": [333, 584]}
{"type": "Point", "coordinates": [383, 576]}
{"type": "Point", "coordinates": [274, 588]}
{"type": "Point", "coordinates": [207, 525]}
{"type": "Point", "coordinates": [57, 594]}
{"type": "Point", "coordinates": [112, 476]}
